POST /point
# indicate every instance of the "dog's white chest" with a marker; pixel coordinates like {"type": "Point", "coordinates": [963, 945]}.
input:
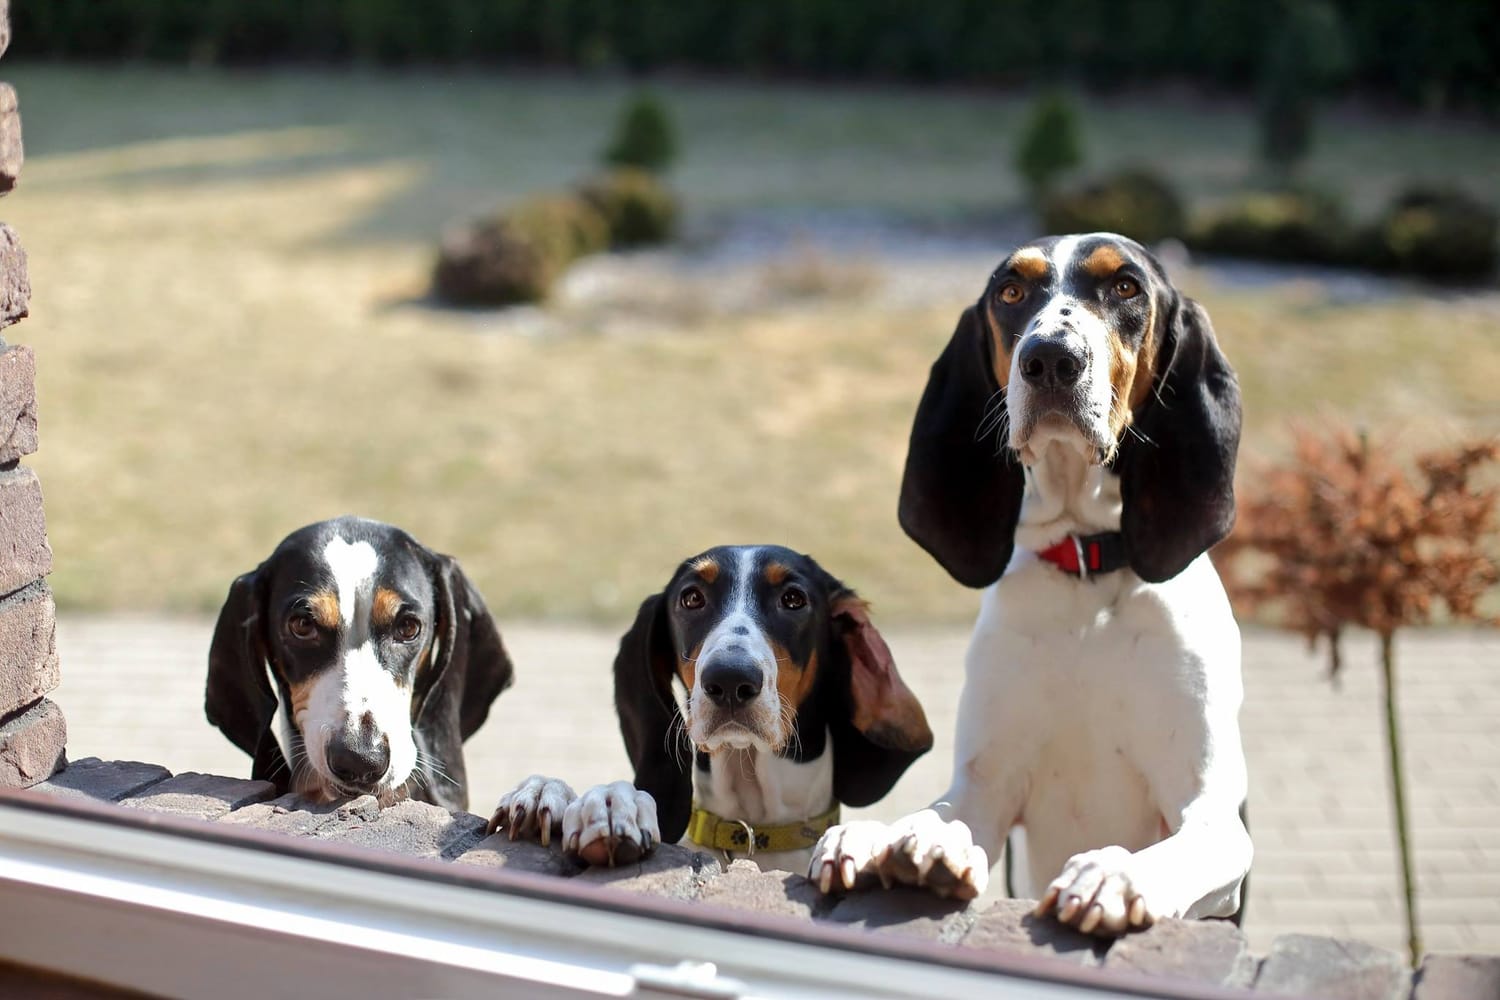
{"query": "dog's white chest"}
{"type": "Point", "coordinates": [1094, 686]}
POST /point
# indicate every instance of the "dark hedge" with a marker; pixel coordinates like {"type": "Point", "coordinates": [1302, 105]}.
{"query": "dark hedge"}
{"type": "Point", "coordinates": [1438, 52]}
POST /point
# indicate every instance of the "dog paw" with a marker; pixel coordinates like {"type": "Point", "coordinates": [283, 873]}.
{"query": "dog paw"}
{"type": "Point", "coordinates": [533, 810]}
{"type": "Point", "coordinates": [919, 850]}
{"type": "Point", "coordinates": [612, 824]}
{"type": "Point", "coordinates": [1096, 894]}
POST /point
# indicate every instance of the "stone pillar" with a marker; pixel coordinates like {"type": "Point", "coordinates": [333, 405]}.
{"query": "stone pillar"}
{"type": "Point", "coordinates": [32, 730]}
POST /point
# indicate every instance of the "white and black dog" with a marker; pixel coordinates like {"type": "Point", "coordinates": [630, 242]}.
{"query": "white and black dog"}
{"type": "Point", "coordinates": [1099, 724]}
{"type": "Point", "coordinates": [355, 660]}
{"type": "Point", "coordinates": [792, 706]}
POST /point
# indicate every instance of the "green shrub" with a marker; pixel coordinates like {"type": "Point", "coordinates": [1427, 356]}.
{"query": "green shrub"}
{"type": "Point", "coordinates": [518, 256]}
{"type": "Point", "coordinates": [577, 224]}
{"type": "Point", "coordinates": [1049, 144]}
{"type": "Point", "coordinates": [1437, 233]}
{"type": "Point", "coordinates": [1291, 225]}
{"type": "Point", "coordinates": [639, 208]}
{"type": "Point", "coordinates": [494, 263]}
{"type": "Point", "coordinates": [1135, 203]}
{"type": "Point", "coordinates": [644, 136]}
{"type": "Point", "coordinates": [1307, 53]}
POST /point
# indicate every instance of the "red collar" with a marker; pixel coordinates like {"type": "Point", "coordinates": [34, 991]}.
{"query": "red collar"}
{"type": "Point", "coordinates": [1084, 556]}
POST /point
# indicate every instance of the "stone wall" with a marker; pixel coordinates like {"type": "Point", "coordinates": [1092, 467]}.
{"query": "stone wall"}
{"type": "Point", "coordinates": [1204, 953]}
{"type": "Point", "coordinates": [32, 730]}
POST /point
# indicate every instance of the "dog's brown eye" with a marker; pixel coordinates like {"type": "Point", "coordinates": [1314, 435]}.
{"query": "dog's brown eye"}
{"type": "Point", "coordinates": [1126, 288]}
{"type": "Point", "coordinates": [408, 627]}
{"type": "Point", "coordinates": [1011, 292]}
{"type": "Point", "coordinates": [692, 598]}
{"type": "Point", "coordinates": [302, 627]}
{"type": "Point", "coordinates": [793, 599]}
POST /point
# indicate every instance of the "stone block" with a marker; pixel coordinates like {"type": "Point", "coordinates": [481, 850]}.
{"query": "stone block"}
{"type": "Point", "coordinates": [743, 886]}
{"type": "Point", "coordinates": [295, 816]}
{"type": "Point", "coordinates": [415, 829]}
{"type": "Point", "coordinates": [32, 745]}
{"type": "Point", "coordinates": [18, 429]}
{"type": "Point", "coordinates": [1306, 965]}
{"type": "Point", "coordinates": [28, 647]}
{"type": "Point", "coordinates": [1204, 951]}
{"type": "Point", "coordinates": [1458, 977]}
{"type": "Point", "coordinates": [4, 26]}
{"type": "Point", "coordinates": [11, 155]}
{"type": "Point", "coordinates": [499, 851]}
{"type": "Point", "coordinates": [907, 911]}
{"type": "Point", "coordinates": [25, 555]}
{"type": "Point", "coordinates": [15, 287]}
{"type": "Point", "coordinates": [200, 796]}
{"type": "Point", "coordinates": [1008, 925]}
{"type": "Point", "coordinates": [92, 778]}
{"type": "Point", "coordinates": [669, 870]}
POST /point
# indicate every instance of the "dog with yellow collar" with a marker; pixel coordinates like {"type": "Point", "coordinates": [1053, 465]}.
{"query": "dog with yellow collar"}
{"type": "Point", "coordinates": [755, 697]}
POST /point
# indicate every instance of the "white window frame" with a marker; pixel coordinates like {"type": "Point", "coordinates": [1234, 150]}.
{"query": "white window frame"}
{"type": "Point", "coordinates": [163, 905]}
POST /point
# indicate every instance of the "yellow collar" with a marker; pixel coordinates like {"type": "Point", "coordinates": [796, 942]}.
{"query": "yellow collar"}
{"type": "Point", "coordinates": [708, 830]}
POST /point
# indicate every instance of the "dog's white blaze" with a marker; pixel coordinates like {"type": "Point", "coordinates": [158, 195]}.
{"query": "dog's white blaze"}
{"type": "Point", "coordinates": [351, 565]}
{"type": "Point", "coordinates": [340, 698]}
{"type": "Point", "coordinates": [369, 687]}
{"type": "Point", "coordinates": [1089, 330]}
{"type": "Point", "coordinates": [739, 612]}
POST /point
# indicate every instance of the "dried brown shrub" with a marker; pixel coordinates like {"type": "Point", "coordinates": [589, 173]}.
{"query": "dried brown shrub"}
{"type": "Point", "coordinates": [1345, 535]}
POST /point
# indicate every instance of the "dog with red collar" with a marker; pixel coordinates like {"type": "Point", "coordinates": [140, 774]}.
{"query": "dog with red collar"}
{"type": "Point", "coordinates": [1073, 453]}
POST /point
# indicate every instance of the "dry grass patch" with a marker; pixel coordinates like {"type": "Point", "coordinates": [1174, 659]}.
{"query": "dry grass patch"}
{"type": "Point", "coordinates": [221, 361]}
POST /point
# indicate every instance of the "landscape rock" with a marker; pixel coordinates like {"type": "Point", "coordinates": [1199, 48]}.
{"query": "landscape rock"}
{"type": "Point", "coordinates": [299, 817]}
{"type": "Point", "coordinates": [32, 745]}
{"type": "Point", "coordinates": [1008, 925]}
{"type": "Point", "coordinates": [200, 796]}
{"type": "Point", "coordinates": [18, 428]}
{"type": "Point", "coordinates": [499, 851]}
{"type": "Point", "coordinates": [743, 886]}
{"type": "Point", "coordinates": [671, 871]}
{"type": "Point", "coordinates": [25, 555]}
{"type": "Point", "coordinates": [1305, 965]}
{"type": "Point", "coordinates": [415, 829]}
{"type": "Point", "coordinates": [28, 647]}
{"type": "Point", "coordinates": [907, 911]}
{"type": "Point", "coordinates": [1458, 977]}
{"type": "Point", "coordinates": [92, 778]}
{"type": "Point", "coordinates": [1205, 951]}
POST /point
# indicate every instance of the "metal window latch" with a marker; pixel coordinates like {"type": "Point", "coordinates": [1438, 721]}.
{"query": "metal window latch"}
{"type": "Point", "coordinates": [685, 979]}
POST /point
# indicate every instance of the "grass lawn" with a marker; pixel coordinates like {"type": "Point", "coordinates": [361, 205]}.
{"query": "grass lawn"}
{"type": "Point", "coordinates": [214, 256]}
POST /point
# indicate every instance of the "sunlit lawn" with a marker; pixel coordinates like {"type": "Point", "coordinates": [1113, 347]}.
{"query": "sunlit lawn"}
{"type": "Point", "coordinates": [215, 259]}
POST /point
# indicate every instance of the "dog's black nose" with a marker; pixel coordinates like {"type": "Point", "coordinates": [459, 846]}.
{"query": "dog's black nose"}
{"type": "Point", "coordinates": [731, 681]}
{"type": "Point", "coordinates": [361, 765]}
{"type": "Point", "coordinates": [1050, 363]}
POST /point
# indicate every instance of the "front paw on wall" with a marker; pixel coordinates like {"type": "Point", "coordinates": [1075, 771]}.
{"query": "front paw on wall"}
{"type": "Point", "coordinates": [609, 825]}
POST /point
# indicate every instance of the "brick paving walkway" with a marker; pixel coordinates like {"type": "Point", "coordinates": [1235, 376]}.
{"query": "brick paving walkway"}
{"type": "Point", "coordinates": [1325, 860]}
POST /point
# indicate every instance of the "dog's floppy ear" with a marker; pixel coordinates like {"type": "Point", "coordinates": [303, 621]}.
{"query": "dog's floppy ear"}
{"type": "Point", "coordinates": [655, 738]}
{"type": "Point", "coordinates": [238, 697]}
{"type": "Point", "coordinates": [879, 728]}
{"type": "Point", "coordinates": [468, 668]}
{"type": "Point", "coordinates": [1177, 473]}
{"type": "Point", "coordinates": [961, 492]}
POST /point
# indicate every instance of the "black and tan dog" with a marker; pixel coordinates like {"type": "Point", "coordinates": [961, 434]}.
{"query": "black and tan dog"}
{"type": "Point", "coordinates": [355, 660]}
{"type": "Point", "coordinates": [793, 705]}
